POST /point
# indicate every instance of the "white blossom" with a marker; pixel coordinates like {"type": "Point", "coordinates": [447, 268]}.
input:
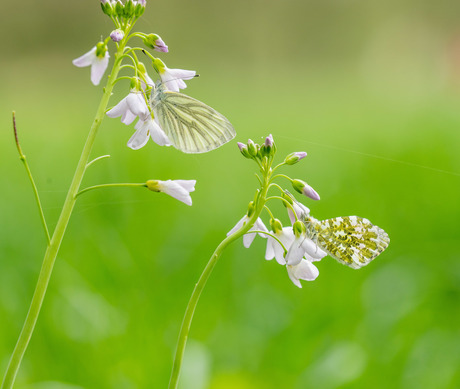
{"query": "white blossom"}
{"type": "Point", "coordinates": [130, 107]}
{"type": "Point", "coordinates": [248, 238]}
{"type": "Point", "coordinates": [98, 64]}
{"type": "Point", "coordinates": [179, 189]}
{"type": "Point", "coordinates": [146, 128]}
{"type": "Point", "coordinates": [173, 79]}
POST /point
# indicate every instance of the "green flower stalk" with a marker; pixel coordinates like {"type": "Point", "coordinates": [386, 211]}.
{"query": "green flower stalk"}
{"type": "Point", "coordinates": [351, 240]}
{"type": "Point", "coordinates": [124, 17]}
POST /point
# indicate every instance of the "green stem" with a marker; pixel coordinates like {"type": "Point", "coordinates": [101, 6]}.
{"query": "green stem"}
{"type": "Point", "coordinates": [53, 247]}
{"type": "Point", "coordinates": [22, 157]}
{"type": "Point", "coordinates": [191, 306]}
{"type": "Point", "coordinates": [96, 159]}
{"type": "Point", "coordinates": [109, 186]}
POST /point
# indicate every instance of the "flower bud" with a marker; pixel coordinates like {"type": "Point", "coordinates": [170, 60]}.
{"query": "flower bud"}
{"type": "Point", "coordinates": [107, 8]}
{"type": "Point", "coordinates": [302, 187]}
{"type": "Point", "coordinates": [269, 141]}
{"type": "Point", "coordinates": [129, 9]}
{"type": "Point", "coordinates": [135, 84]}
{"type": "Point", "coordinates": [299, 228]}
{"type": "Point", "coordinates": [117, 35]}
{"type": "Point", "coordinates": [276, 226]}
{"type": "Point", "coordinates": [252, 148]}
{"type": "Point", "coordinates": [159, 65]}
{"type": "Point", "coordinates": [244, 150]}
{"type": "Point", "coordinates": [293, 158]}
{"type": "Point", "coordinates": [140, 8]}
{"type": "Point", "coordinates": [119, 9]}
{"type": "Point", "coordinates": [154, 42]}
{"type": "Point", "coordinates": [101, 49]}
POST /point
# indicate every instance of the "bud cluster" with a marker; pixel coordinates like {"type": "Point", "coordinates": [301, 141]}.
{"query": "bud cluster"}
{"type": "Point", "coordinates": [131, 8]}
{"type": "Point", "coordinates": [255, 151]}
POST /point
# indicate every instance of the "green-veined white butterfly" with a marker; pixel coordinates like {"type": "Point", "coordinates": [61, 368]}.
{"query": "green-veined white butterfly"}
{"type": "Point", "coordinates": [191, 126]}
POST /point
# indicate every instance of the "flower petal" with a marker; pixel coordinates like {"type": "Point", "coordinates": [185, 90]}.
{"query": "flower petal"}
{"type": "Point", "coordinates": [136, 104]}
{"type": "Point", "coordinates": [248, 238]}
{"type": "Point", "coordinates": [270, 252]}
{"type": "Point", "coordinates": [188, 185]}
{"type": "Point", "coordinates": [158, 135]}
{"type": "Point", "coordinates": [140, 137]}
{"type": "Point", "coordinates": [238, 225]}
{"type": "Point", "coordinates": [86, 59]}
{"type": "Point", "coordinates": [312, 249]}
{"type": "Point", "coordinates": [305, 270]}
{"type": "Point", "coordinates": [173, 189]}
{"type": "Point", "coordinates": [98, 68]}
{"type": "Point", "coordinates": [295, 252]}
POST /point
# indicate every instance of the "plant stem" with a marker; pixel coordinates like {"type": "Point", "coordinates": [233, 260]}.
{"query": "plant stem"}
{"type": "Point", "coordinates": [110, 186]}
{"type": "Point", "coordinates": [22, 157]}
{"type": "Point", "coordinates": [191, 306]}
{"type": "Point", "coordinates": [53, 247]}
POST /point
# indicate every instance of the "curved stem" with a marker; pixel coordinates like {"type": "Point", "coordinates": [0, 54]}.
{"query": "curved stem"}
{"type": "Point", "coordinates": [281, 175]}
{"type": "Point", "coordinates": [191, 306]}
{"type": "Point", "coordinates": [96, 159]}
{"type": "Point", "coordinates": [22, 157]}
{"type": "Point", "coordinates": [55, 243]}
{"type": "Point", "coordinates": [109, 186]}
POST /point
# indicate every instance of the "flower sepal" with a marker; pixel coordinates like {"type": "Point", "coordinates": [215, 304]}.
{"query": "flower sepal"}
{"type": "Point", "coordinates": [107, 8]}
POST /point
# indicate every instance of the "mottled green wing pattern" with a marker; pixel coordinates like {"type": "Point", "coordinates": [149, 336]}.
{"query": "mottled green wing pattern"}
{"type": "Point", "coordinates": [191, 126]}
{"type": "Point", "coordinates": [351, 240]}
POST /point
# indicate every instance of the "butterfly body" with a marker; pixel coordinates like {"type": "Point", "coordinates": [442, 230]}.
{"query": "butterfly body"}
{"type": "Point", "coordinates": [191, 126]}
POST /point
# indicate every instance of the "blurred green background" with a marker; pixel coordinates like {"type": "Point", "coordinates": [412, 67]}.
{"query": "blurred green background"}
{"type": "Point", "coordinates": [371, 90]}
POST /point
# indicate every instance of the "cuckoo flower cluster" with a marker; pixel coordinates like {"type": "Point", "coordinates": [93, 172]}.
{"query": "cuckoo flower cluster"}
{"type": "Point", "coordinates": [288, 245]}
{"type": "Point", "coordinates": [136, 104]}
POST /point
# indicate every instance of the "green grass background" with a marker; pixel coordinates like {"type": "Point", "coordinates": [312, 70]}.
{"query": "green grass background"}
{"type": "Point", "coordinates": [371, 90]}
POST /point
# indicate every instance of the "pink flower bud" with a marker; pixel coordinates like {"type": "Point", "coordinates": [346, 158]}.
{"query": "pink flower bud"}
{"type": "Point", "coordinates": [269, 141]}
{"type": "Point", "coordinates": [117, 35]}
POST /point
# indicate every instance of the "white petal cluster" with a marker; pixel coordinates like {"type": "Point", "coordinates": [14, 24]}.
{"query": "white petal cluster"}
{"type": "Point", "coordinates": [300, 255]}
{"type": "Point", "coordinates": [98, 64]}
{"type": "Point", "coordinates": [301, 251]}
{"type": "Point", "coordinates": [249, 237]}
{"type": "Point", "coordinates": [134, 106]}
{"type": "Point", "coordinates": [145, 129]}
{"type": "Point", "coordinates": [130, 107]}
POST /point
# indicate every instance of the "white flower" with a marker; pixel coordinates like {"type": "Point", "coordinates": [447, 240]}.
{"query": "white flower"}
{"type": "Point", "coordinates": [179, 189]}
{"type": "Point", "coordinates": [302, 247]}
{"type": "Point", "coordinates": [174, 78]}
{"type": "Point", "coordinates": [248, 238]}
{"type": "Point", "coordinates": [98, 63]}
{"type": "Point", "coordinates": [130, 107]}
{"type": "Point", "coordinates": [146, 128]}
{"type": "Point", "coordinates": [305, 270]}
{"type": "Point", "coordinates": [297, 268]}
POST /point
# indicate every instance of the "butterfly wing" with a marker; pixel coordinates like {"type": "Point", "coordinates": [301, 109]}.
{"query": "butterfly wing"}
{"type": "Point", "coordinates": [351, 240]}
{"type": "Point", "coordinates": [191, 126]}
